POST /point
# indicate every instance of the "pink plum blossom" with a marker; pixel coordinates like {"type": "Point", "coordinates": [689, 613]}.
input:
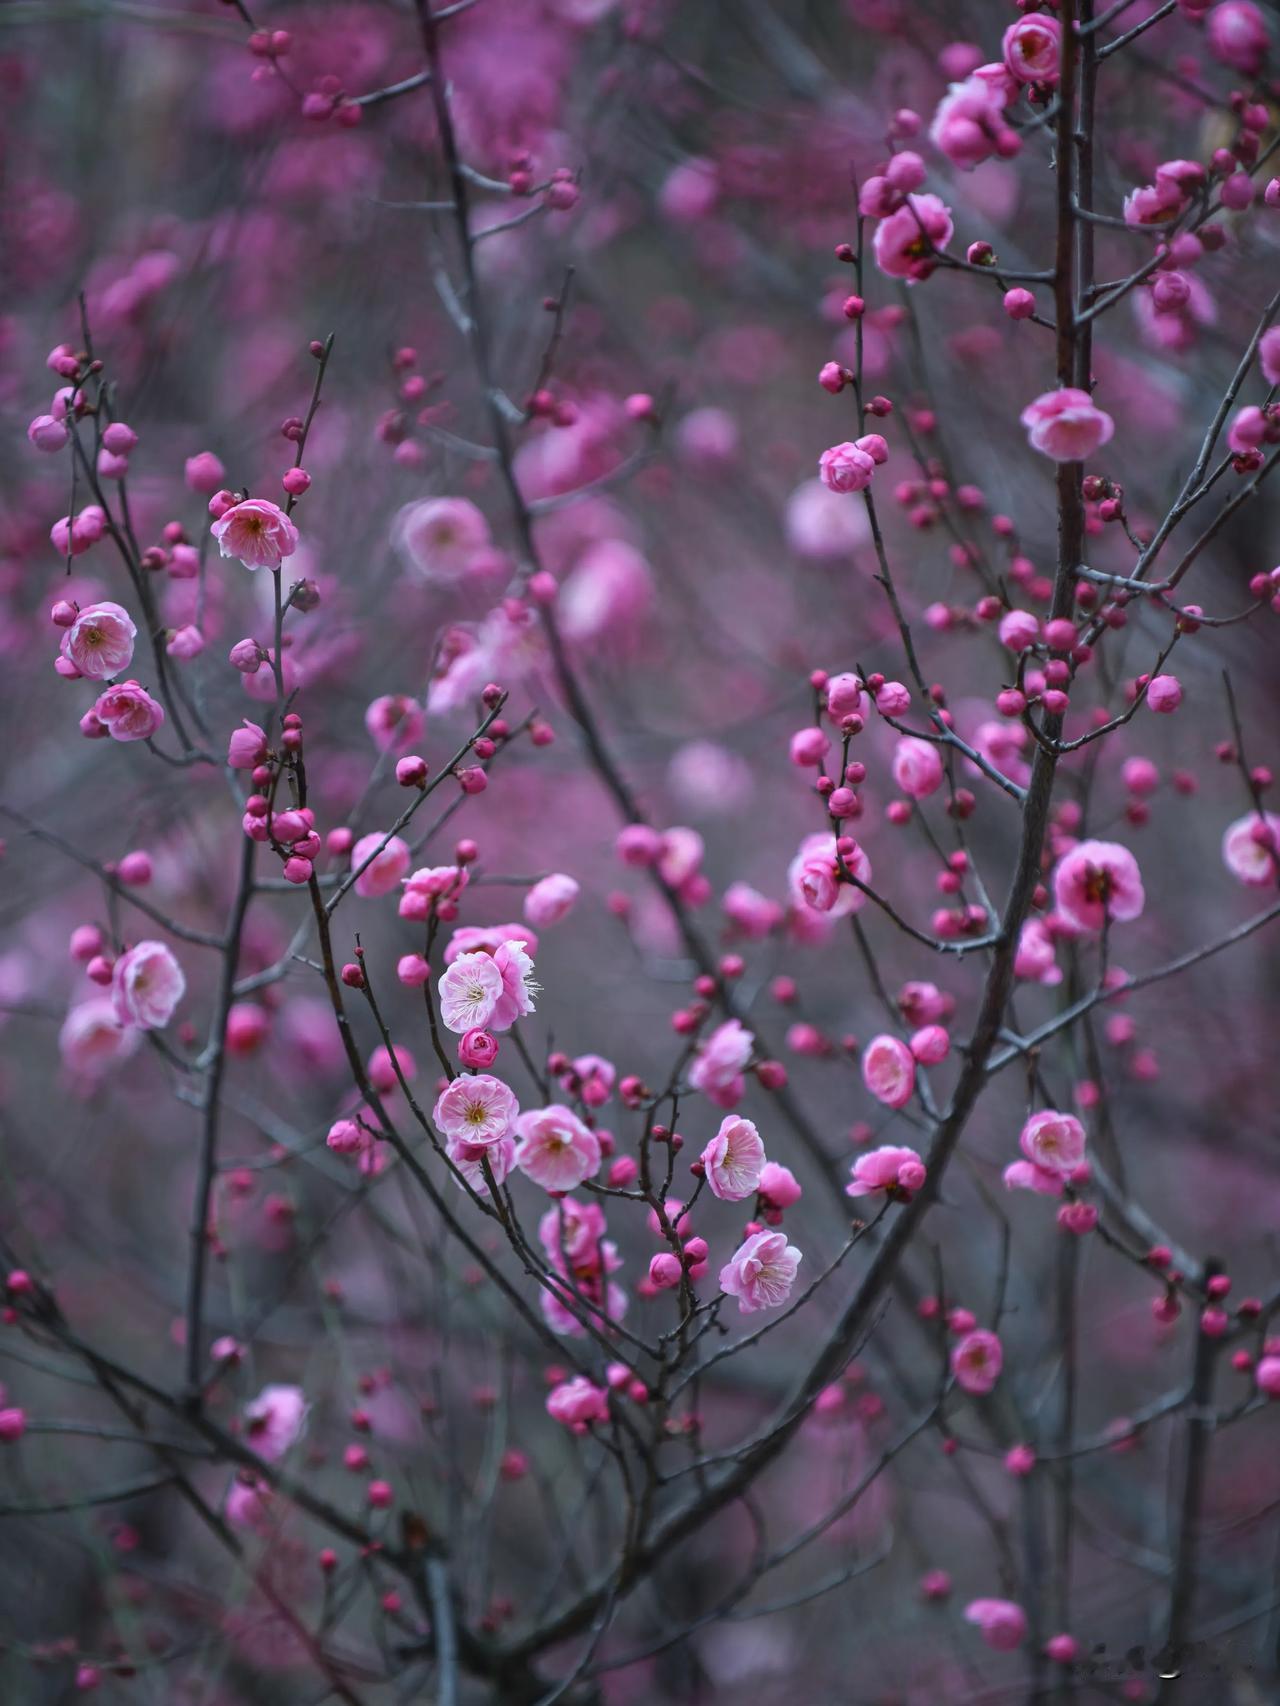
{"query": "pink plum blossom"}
{"type": "Point", "coordinates": [470, 990]}
{"type": "Point", "coordinates": [813, 874]}
{"type": "Point", "coordinates": [1067, 424]}
{"type": "Point", "coordinates": [1001, 1623]}
{"type": "Point", "coordinates": [476, 1109]}
{"type": "Point", "coordinates": [1031, 48]}
{"type": "Point", "coordinates": [146, 986]}
{"type": "Point", "coordinates": [761, 1272]}
{"type": "Point", "coordinates": [1098, 881]}
{"type": "Point", "coordinates": [516, 996]}
{"type": "Point", "coordinates": [275, 1420]}
{"type": "Point", "coordinates": [256, 531]}
{"type": "Point", "coordinates": [93, 1040]}
{"type": "Point", "coordinates": [578, 1403]}
{"type": "Point", "coordinates": [734, 1160]}
{"type": "Point", "coordinates": [721, 1061]}
{"type": "Point", "coordinates": [128, 712]}
{"type": "Point", "coordinates": [1249, 849]}
{"type": "Point", "coordinates": [917, 767]}
{"type": "Point", "coordinates": [889, 1071]}
{"type": "Point", "coordinates": [550, 901]}
{"type": "Point", "coordinates": [556, 1150]}
{"type": "Point", "coordinates": [386, 867]}
{"type": "Point", "coordinates": [100, 641]}
{"type": "Point", "coordinates": [977, 1360]}
{"type": "Point", "coordinates": [897, 1171]}
{"type": "Point", "coordinates": [1053, 1142]}
{"type": "Point", "coordinates": [441, 537]}
{"type": "Point", "coordinates": [905, 242]}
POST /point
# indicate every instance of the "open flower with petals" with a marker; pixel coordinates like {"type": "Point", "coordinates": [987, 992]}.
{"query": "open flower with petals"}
{"type": "Point", "coordinates": [1067, 424]}
{"type": "Point", "coordinates": [146, 985]}
{"type": "Point", "coordinates": [1026, 1176]}
{"type": "Point", "coordinates": [556, 1150]}
{"type": "Point", "coordinates": [1031, 48]}
{"type": "Point", "coordinates": [578, 1402]}
{"type": "Point", "coordinates": [721, 1061]}
{"type": "Point", "coordinates": [1053, 1142]}
{"type": "Point", "coordinates": [92, 1040]}
{"type": "Point", "coordinates": [761, 1271]}
{"type": "Point", "coordinates": [734, 1160]}
{"type": "Point", "coordinates": [256, 531]}
{"type": "Point", "coordinates": [1251, 850]}
{"type": "Point", "coordinates": [275, 1420]}
{"type": "Point", "coordinates": [388, 860]}
{"type": "Point", "coordinates": [1097, 881]}
{"type": "Point", "coordinates": [477, 1109]}
{"type": "Point", "coordinates": [905, 243]}
{"type": "Point", "coordinates": [977, 1360]}
{"type": "Point", "coordinates": [100, 641]}
{"type": "Point", "coordinates": [813, 877]}
{"type": "Point", "coordinates": [518, 987]}
{"type": "Point", "coordinates": [898, 1171]}
{"type": "Point", "coordinates": [470, 990]}
{"type": "Point", "coordinates": [128, 712]}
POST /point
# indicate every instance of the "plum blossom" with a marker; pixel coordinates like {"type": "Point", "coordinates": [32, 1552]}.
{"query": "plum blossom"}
{"type": "Point", "coordinates": [1098, 881]}
{"type": "Point", "coordinates": [896, 1171]}
{"type": "Point", "coordinates": [100, 641]}
{"type": "Point", "coordinates": [812, 877]}
{"type": "Point", "coordinates": [441, 537]}
{"type": "Point", "coordinates": [968, 124]}
{"type": "Point", "coordinates": [917, 767]}
{"type": "Point", "coordinates": [275, 1420]}
{"type": "Point", "coordinates": [556, 1150]}
{"type": "Point", "coordinates": [977, 1360]}
{"type": "Point", "coordinates": [845, 468]}
{"type": "Point", "coordinates": [128, 712]}
{"type": "Point", "coordinates": [394, 722]}
{"type": "Point", "coordinates": [1026, 1176]}
{"type": "Point", "coordinates": [1249, 849]}
{"type": "Point", "coordinates": [256, 531]}
{"type": "Point", "coordinates": [146, 986]}
{"type": "Point", "coordinates": [889, 1071]}
{"type": "Point", "coordinates": [92, 1039]}
{"type": "Point", "coordinates": [1067, 424]}
{"type": "Point", "coordinates": [551, 900]}
{"type": "Point", "coordinates": [761, 1272]}
{"type": "Point", "coordinates": [734, 1160]}
{"type": "Point", "coordinates": [247, 747]}
{"type": "Point", "coordinates": [476, 1109]}
{"type": "Point", "coordinates": [1001, 1623]}
{"type": "Point", "coordinates": [1053, 1142]}
{"type": "Point", "coordinates": [904, 244]}
{"type": "Point", "coordinates": [1031, 48]}
{"type": "Point", "coordinates": [721, 1061]}
{"type": "Point", "coordinates": [470, 990]}
{"type": "Point", "coordinates": [1035, 959]}
{"type": "Point", "coordinates": [516, 997]}
{"type": "Point", "coordinates": [386, 867]}
{"type": "Point", "coordinates": [578, 1402]}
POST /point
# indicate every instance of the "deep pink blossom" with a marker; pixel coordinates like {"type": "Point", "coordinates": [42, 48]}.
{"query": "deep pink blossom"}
{"type": "Point", "coordinates": [1053, 1142]}
{"type": "Point", "coordinates": [977, 1360]}
{"type": "Point", "coordinates": [896, 1170]}
{"type": "Point", "coordinates": [1098, 881]}
{"type": "Point", "coordinates": [904, 244]}
{"type": "Point", "coordinates": [275, 1420]}
{"type": "Point", "coordinates": [1031, 48]}
{"type": "Point", "coordinates": [128, 712]}
{"type": "Point", "coordinates": [386, 864]}
{"type": "Point", "coordinates": [720, 1063]}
